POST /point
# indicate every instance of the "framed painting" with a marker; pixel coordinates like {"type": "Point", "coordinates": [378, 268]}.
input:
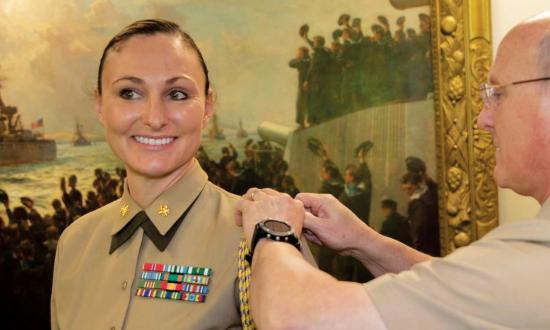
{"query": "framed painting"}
{"type": "Point", "coordinates": [340, 97]}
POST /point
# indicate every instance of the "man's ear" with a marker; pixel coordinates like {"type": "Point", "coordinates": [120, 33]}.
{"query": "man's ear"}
{"type": "Point", "coordinates": [209, 107]}
{"type": "Point", "coordinates": [98, 106]}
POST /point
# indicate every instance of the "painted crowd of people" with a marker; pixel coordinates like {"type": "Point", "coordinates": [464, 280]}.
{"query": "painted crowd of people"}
{"type": "Point", "coordinates": [28, 239]}
{"type": "Point", "coordinates": [357, 70]}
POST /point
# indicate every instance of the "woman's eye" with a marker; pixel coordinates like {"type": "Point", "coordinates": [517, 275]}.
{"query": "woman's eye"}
{"type": "Point", "coordinates": [178, 95]}
{"type": "Point", "coordinates": [128, 94]}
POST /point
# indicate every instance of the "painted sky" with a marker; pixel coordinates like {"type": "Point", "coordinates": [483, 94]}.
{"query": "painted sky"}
{"type": "Point", "coordinates": [50, 49]}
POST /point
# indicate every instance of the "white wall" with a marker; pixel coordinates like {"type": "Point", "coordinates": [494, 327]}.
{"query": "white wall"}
{"type": "Point", "coordinates": [506, 14]}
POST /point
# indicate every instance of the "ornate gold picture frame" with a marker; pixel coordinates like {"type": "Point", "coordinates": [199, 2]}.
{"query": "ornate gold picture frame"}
{"type": "Point", "coordinates": [461, 33]}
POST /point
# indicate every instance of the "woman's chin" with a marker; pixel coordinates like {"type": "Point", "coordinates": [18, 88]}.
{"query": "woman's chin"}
{"type": "Point", "coordinates": [158, 169]}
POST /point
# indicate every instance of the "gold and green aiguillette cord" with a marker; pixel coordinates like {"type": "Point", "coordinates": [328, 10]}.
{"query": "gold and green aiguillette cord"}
{"type": "Point", "coordinates": [244, 283]}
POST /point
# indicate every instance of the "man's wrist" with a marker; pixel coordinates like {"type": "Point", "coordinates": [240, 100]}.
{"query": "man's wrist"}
{"type": "Point", "coordinates": [362, 242]}
{"type": "Point", "coordinates": [267, 249]}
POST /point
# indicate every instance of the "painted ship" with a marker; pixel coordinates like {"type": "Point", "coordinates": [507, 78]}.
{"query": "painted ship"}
{"type": "Point", "coordinates": [19, 145]}
{"type": "Point", "coordinates": [241, 133]}
{"type": "Point", "coordinates": [79, 138]}
{"type": "Point", "coordinates": [215, 132]}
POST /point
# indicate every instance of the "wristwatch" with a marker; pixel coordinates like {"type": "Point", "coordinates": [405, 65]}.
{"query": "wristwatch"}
{"type": "Point", "coordinates": [275, 230]}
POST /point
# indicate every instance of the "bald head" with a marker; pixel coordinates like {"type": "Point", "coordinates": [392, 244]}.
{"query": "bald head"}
{"type": "Point", "coordinates": [541, 23]}
{"type": "Point", "coordinates": [526, 50]}
{"type": "Point", "coordinates": [537, 30]}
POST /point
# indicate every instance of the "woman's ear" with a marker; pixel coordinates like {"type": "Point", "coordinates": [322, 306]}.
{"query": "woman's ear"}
{"type": "Point", "coordinates": [208, 108]}
{"type": "Point", "coordinates": [98, 106]}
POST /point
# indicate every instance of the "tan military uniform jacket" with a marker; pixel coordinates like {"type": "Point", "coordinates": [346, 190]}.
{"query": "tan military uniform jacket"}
{"type": "Point", "coordinates": [498, 282]}
{"type": "Point", "coordinates": [93, 289]}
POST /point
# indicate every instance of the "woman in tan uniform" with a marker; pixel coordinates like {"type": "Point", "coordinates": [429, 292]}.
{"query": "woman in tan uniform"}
{"type": "Point", "coordinates": [164, 256]}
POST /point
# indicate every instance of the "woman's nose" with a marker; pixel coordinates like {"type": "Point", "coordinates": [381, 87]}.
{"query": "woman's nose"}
{"type": "Point", "coordinates": [155, 115]}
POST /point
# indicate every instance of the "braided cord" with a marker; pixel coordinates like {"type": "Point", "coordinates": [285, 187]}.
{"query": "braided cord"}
{"type": "Point", "coordinates": [243, 274]}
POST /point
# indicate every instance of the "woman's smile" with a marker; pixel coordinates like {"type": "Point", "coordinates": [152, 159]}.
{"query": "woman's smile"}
{"type": "Point", "coordinates": [154, 141]}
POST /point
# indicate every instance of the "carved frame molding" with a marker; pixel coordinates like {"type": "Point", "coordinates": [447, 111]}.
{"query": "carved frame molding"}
{"type": "Point", "coordinates": [462, 55]}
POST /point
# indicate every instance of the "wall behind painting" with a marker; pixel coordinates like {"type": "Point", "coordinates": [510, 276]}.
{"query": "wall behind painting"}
{"type": "Point", "coordinates": [506, 14]}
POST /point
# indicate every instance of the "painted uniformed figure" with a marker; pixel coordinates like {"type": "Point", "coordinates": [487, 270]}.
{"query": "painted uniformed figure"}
{"type": "Point", "coordinates": [164, 256]}
{"type": "Point", "coordinates": [301, 62]}
{"type": "Point", "coordinates": [321, 103]}
{"type": "Point", "coordinates": [422, 214]}
{"type": "Point", "coordinates": [350, 94]}
{"type": "Point", "coordinates": [395, 225]}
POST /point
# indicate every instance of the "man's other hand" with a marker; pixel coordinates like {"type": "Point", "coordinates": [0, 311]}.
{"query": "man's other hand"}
{"type": "Point", "coordinates": [329, 223]}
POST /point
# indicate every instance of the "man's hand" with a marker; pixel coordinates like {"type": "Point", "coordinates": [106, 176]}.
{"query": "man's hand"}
{"type": "Point", "coordinates": [261, 204]}
{"type": "Point", "coordinates": [329, 223]}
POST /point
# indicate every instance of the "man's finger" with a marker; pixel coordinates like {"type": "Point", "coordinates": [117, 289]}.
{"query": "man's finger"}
{"type": "Point", "coordinates": [312, 223]}
{"type": "Point", "coordinates": [310, 236]}
{"type": "Point", "coordinates": [250, 193]}
{"type": "Point", "coordinates": [312, 202]}
{"type": "Point", "coordinates": [270, 192]}
{"type": "Point", "coordinates": [242, 204]}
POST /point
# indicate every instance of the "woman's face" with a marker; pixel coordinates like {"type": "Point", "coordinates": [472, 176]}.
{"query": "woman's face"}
{"type": "Point", "coordinates": [153, 106]}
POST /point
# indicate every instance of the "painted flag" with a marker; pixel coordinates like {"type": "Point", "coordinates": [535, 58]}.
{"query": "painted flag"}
{"type": "Point", "coordinates": [37, 124]}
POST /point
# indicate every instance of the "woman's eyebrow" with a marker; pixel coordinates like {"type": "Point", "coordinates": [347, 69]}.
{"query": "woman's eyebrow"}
{"type": "Point", "coordinates": [130, 78]}
{"type": "Point", "coordinates": [176, 78]}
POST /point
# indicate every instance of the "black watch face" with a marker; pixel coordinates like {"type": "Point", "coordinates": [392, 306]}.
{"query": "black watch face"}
{"type": "Point", "coordinates": [277, 226]}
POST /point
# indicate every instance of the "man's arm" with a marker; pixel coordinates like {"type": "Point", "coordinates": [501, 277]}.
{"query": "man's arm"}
{"type": "Point", "coordinates": [286, 292]}
{"type": "Point", "coordinates": [234, 153]}
{"type": "Point", "coordinates": [294, 63]}
{"type": "Point", "coordinates": [331, 224]}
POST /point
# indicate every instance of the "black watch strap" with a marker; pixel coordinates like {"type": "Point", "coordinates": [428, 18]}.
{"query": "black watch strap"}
{"type": "Point", "coordinates": [260, 232]}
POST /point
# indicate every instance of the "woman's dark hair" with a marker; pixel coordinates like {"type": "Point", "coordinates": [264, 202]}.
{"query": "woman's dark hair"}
{"type": "Point", "coordinates": [150, 27]}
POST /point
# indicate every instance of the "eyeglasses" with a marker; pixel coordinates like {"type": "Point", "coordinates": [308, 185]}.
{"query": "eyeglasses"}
{"type": "Point", "coordinates": [491, 93]}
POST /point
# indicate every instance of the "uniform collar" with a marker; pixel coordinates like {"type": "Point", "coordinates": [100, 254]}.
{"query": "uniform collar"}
{"type": "Point", "coordinates": [544, 212]}
{"type": "Point", "coordinates": [533, 230]}
{"type": "Point", "coordinates": [175, 200]}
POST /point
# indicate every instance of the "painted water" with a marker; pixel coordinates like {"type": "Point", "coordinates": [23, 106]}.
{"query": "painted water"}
{"type": "Point", "coordinates": [40, 181]}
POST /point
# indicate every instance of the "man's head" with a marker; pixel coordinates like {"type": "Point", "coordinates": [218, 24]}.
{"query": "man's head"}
{"type": "Point", "coordinates": [400, 22]}
{"type": "Point", "coordinates": [415, 164]}
{"type": "Point", "coordinates": [56, 204]}
{"type": "Point", "coordinates": [318, 41]}
{"type": "Point", "coordinates": [518, 114]}
{"type": "Point", "coordinates": [351, 175]}
{"type": "Point", "coordinates": [72, 181]}
{"type": "Point", "coordinates": [329, 172]}
{"type": "Point", "coordinates": [346, 34]}
{"type": "Point", "coordinates": [424, 23]}
{"type": "Point", "coordinates": [302, 52]}
{"type": "Point", "coordinates": [389, 206]}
